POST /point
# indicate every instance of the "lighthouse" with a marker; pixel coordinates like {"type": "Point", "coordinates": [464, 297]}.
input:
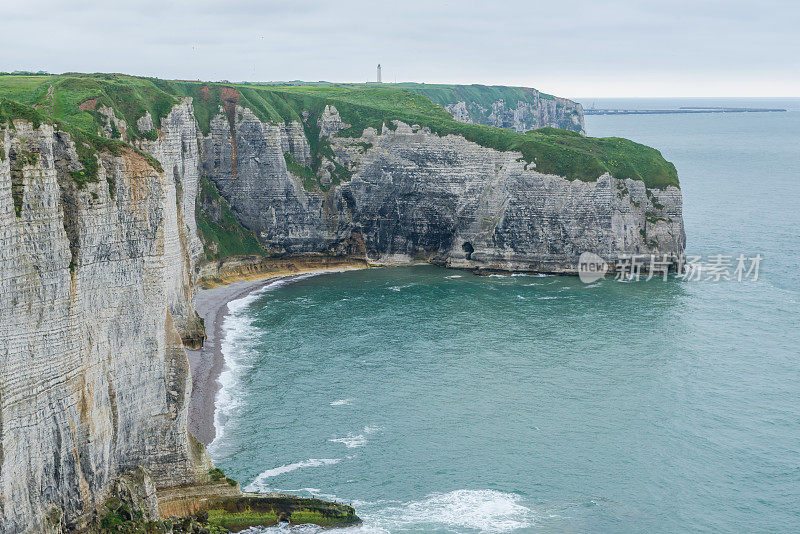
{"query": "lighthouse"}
{"type": "Point", "coordinates": [379, 73]}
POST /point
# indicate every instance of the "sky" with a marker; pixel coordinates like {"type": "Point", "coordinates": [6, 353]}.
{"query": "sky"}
{"type": "Point", "coordinates": [572, 48]}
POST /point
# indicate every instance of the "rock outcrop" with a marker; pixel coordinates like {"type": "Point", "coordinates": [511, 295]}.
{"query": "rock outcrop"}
{"type": "Point", "coordinates": [178, 151]}
{"type": "Point", "coordinates": [415, 195]}
{"type": "Point", "coordinates": [522, 116]}
{"type": "Point", "coordinates": [98, 272]}
{"type": "Point", "coordinates": [518, 108]}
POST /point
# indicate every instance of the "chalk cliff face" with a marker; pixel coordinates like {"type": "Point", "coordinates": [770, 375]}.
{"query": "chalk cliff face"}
{"type": "Point", "coordinates": [518, 108]}
{"type": "Point", "coordinates": [264, 196]}
{"type": "Point", "coordinates": [93, 303]}
{"type": "Point", "coordinates": [97, 279]}
{"type": "Point", "coordinates": [416, 195]}
{"type": "Point", "coordinates": [178, 151]}
{"type": "Point", "coordinates": [522, 116]}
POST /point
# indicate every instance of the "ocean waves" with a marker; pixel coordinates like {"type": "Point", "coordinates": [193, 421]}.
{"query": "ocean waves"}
{"type": "Point", "coordinates": [480, 511]}
{"type": "Point", "coordinates": [352, 440]}
{"type": "Point", "coordinates": [259, 484]}
{"type": "Point", "coordinates": [239, 338]}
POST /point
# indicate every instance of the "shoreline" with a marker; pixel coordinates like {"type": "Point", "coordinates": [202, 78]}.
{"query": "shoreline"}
{"type": "Point", "coordinates": [211, 304]}
{"type": "Point", "coordinates": [206, 364]}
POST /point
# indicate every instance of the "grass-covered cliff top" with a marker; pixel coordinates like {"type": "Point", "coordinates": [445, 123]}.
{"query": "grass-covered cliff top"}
{"type": "Point", "coordinates": [74, 101]}
{"type": "Point", "coordinates": [479, 99]}
{"type": "Point", "coordinates": [483, 95]}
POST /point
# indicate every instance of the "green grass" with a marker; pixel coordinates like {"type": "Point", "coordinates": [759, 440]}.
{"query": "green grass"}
{"type": "Point", "coordinates": [478, 98]}
{"type": "Point", "coordinates": [117, 516]}
{"type": "Point", "coordinates": [10, 109]}
{"type": "Point", "coordinates": [217, 475]}
{"type": "Point", "coordinates": [23, 159]}
{"type": "Point", "coordinates": [302, 516]}
{"type": "Point", "coordinates": [303, 172]}
{"type": "Point", "coordinates": [19, 95]}
{"type": "Point", "coordinates": [150, 135]}
{"type": "Point", "coordinates": [553, 151]}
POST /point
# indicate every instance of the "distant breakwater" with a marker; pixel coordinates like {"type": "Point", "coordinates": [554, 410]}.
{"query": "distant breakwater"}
{"type": "Point", "coordinates": [696, 109]}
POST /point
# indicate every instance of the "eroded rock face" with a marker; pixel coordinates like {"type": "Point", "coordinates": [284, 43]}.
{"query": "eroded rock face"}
{"type": "Point", "coordinates": [454, 202]}
{"type": "Point", "coordinates": [522, 116]}
{"type": "Point", "coordinates": [93, 373]}
{"type": "Point", "coordinates": [416, 195]}
{"type": "Point", "coordinates": [178, 151]}
{"type": "Point", "coordinates": [265, 197]}
{"type": "Point", "coordinates": [97, 281]}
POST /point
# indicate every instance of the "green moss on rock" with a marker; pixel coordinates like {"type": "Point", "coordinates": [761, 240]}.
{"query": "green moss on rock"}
{"type": "Point", "coordinates": [240, 513]}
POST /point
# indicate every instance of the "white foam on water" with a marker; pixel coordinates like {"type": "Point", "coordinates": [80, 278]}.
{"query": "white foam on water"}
{"type": "Point", "coordinates": [547, 298]}
{"type": "Point", "coordinates": [400, 288]}
{"type": "Point", "coordinates": [454, 276]}
{"type": "Point", "coordinates": [516, 275]}
{"type": "Point", "coordinates": [312, 491]}
{"type": "Point", "coordinates": [352, 440]}
{"type": "Point", "coordinates": [486, 511]}
{"type": "Point", "coordinates": [521, 297]}
{"type": "Point", "coordinates": [238, 337]}
{"type": "Point", "coordinates": [238, 334]}
{"type": "Point", "coordinates": [342, 402]}
{"type": "Point", "coordinates": [259, 483]}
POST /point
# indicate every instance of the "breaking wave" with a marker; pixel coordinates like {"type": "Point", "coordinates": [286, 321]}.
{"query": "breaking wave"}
{"type": "Point", "coordinates": [484, 511]}
{"type": "Point", "coordinates": [237, 342]}
{"type": "Point", "coordinates": [259, 483]}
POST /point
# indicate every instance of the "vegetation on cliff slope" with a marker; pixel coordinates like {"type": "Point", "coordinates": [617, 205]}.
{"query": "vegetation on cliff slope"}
{"type": "Point", "coordinates": [221, 232]}
{"type": "Point", "coordinates": [479, 99]}
{"type": "Point", "coordinates": [74, 102]}
{"type": "Point", "coordinates": [18, 100]}
{"type": "Point", "coordinates": [484, 95]}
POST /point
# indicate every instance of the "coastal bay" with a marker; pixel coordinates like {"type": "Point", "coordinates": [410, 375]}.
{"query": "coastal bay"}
{"type": "Point", "coordinates": [207, 363]}
{"type": "Point", "coordinates": [463, 403]}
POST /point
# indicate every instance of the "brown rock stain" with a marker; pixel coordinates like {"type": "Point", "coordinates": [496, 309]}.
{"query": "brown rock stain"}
{"type": "Point", "coordinates": [88, 105]}
{"type": "Point", "coordinates": [230, 97]}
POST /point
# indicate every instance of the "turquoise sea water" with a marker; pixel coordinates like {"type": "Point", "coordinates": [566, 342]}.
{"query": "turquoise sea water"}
{"type": "Point", "coordinates": [434, 400]}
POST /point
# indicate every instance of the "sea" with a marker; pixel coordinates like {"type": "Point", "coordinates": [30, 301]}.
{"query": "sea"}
{"type": "Point", "coordinates": [435, 400]}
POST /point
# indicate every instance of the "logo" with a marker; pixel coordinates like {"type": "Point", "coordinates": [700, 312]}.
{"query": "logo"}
{"type": "Point", "coordinates": [591, 267]}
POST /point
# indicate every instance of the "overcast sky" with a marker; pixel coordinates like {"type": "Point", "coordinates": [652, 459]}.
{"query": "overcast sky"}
{"type": "Point", "coordinates": [571, 48]}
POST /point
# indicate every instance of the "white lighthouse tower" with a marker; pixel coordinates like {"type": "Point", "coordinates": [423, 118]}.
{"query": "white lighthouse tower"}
{"type": "Point", "coordinates": [379, 73]}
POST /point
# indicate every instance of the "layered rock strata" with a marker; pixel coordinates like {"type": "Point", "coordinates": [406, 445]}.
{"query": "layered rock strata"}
{"type": "Point", "coordinates": [415, 195]}
{"type": "Point", "coordinates": [97, 278]}
{"type": "Point", "coordinates": [522, 116]}
{"type": "Point", "coordinates": [94, 302]}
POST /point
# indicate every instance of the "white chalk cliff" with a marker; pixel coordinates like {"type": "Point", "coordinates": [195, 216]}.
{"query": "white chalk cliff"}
{"type": "Point", "coordinates": [96, 281]}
